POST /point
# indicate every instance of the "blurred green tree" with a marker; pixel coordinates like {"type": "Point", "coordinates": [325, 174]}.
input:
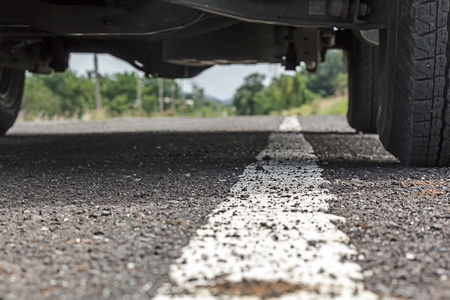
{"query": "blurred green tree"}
{"type": "Point", "coordinates": [244, 98]}
{"type": "Point", "coordinates": [323, 81]}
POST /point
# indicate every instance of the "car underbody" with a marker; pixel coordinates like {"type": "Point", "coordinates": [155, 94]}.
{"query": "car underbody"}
{"type": "Point", "coordinates": [181, 38]}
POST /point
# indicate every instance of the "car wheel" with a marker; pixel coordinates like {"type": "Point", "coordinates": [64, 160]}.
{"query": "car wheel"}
{"type": "Point", "coordinates": [363, 74]}
{"type": "Point", "coordinates": [11, 91]}
{"type": "Point", "coordinates": [414, 117]}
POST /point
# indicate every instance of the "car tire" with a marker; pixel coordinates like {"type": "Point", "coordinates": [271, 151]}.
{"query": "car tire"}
{"type": "Point", "coordinates": [11, 91]}
{"type": "Point", "coordinates": [363, 98]}
{"type": "Point", "coordinates": [414, 117]}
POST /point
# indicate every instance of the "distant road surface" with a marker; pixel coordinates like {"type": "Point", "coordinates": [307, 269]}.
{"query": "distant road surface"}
{"type": "Point", "coordinates": [217, 208]}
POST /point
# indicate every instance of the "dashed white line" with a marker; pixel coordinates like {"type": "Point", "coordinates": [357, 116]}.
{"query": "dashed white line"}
{"type": "Point", "coordinates": [272, 237]}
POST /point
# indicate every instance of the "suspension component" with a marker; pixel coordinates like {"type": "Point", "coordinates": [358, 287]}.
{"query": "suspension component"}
{"type": "Point", "coordinates": [344, 8]}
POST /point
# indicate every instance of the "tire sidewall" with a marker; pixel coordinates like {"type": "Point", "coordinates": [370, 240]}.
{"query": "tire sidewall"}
{"type": "Point", "coordinates": [392, 101]}
{"type": "Point", "coordinates": [8, 112]}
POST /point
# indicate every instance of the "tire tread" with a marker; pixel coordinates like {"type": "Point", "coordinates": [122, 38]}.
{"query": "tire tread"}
{"type": "Point", "coordinates": [421, 131]}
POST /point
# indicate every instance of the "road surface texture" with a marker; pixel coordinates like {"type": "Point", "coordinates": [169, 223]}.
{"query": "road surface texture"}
{"type": "Point", "coordinates": [226, 208]}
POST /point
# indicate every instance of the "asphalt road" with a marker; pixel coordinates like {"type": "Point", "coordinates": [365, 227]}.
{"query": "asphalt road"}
{"type": "Point", "coordinates": [106, 210]}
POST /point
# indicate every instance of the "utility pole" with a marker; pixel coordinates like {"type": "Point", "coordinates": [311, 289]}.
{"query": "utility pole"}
{"type": "Point", "coordinates": [98, 96]}
{"type": "Point", "coordinates": [172, 96]}
{"type": "Point", "coordinates": [139, 92]}
{"type": "Point", "coordinates": [161, 95]}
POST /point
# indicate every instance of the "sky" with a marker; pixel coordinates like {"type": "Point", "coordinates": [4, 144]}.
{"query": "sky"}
{"type": "Point", "coordinates": [219, 81]}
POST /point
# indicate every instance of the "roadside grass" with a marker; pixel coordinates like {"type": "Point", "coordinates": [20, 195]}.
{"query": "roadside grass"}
{"type": "Point", "coordinates": [339, 107]}
{"type": "Point", "coordinates": [103, 114]}
{"type": "Point", "coordinates": [323, 106]}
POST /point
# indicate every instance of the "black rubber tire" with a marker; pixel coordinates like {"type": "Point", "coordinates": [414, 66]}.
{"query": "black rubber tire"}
{"type": "Point", "coordinates": [11, 91]}
{"type": "Point", "coordinates": [414, 117]}
{"type": "Point", "coordinates": [363, 99]}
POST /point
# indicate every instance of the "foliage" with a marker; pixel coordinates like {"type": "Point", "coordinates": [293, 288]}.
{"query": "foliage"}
{"type": "Point", "coordinates": [58, 93]}
{"type": "Point", "coordinates": [71, 95]}
{"type": "Point", "coordinates": [340, 83]}
{"type": "Point", "coordinates": [327, 77]}
{"type": "Point", "coordinates": [292, 92]}
{"type": "Point", "coordinates": [118, 92]}
{"type": "Point", "coordinates": [245, 98]}
{"type": "Point", "coordinates": [283, 93]}
{"type": "Point", "coordinates": [38, 97]}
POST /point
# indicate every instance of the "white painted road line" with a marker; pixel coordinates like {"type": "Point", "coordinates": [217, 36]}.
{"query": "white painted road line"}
{"type": "Point", "coordinates": [272, 237]}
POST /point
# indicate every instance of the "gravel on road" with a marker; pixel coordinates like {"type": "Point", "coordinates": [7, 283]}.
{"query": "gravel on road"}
{"type": "Point", "coordinates": [100, 210]}
{"type": "Point", "coordinates": [102, 216]}
{"type": "Point", "coordinates": [398, 217]}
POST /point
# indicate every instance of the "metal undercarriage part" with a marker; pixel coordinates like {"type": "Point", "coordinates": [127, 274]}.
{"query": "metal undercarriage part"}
{"type": "Point", "coordinates": [180, 38]}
